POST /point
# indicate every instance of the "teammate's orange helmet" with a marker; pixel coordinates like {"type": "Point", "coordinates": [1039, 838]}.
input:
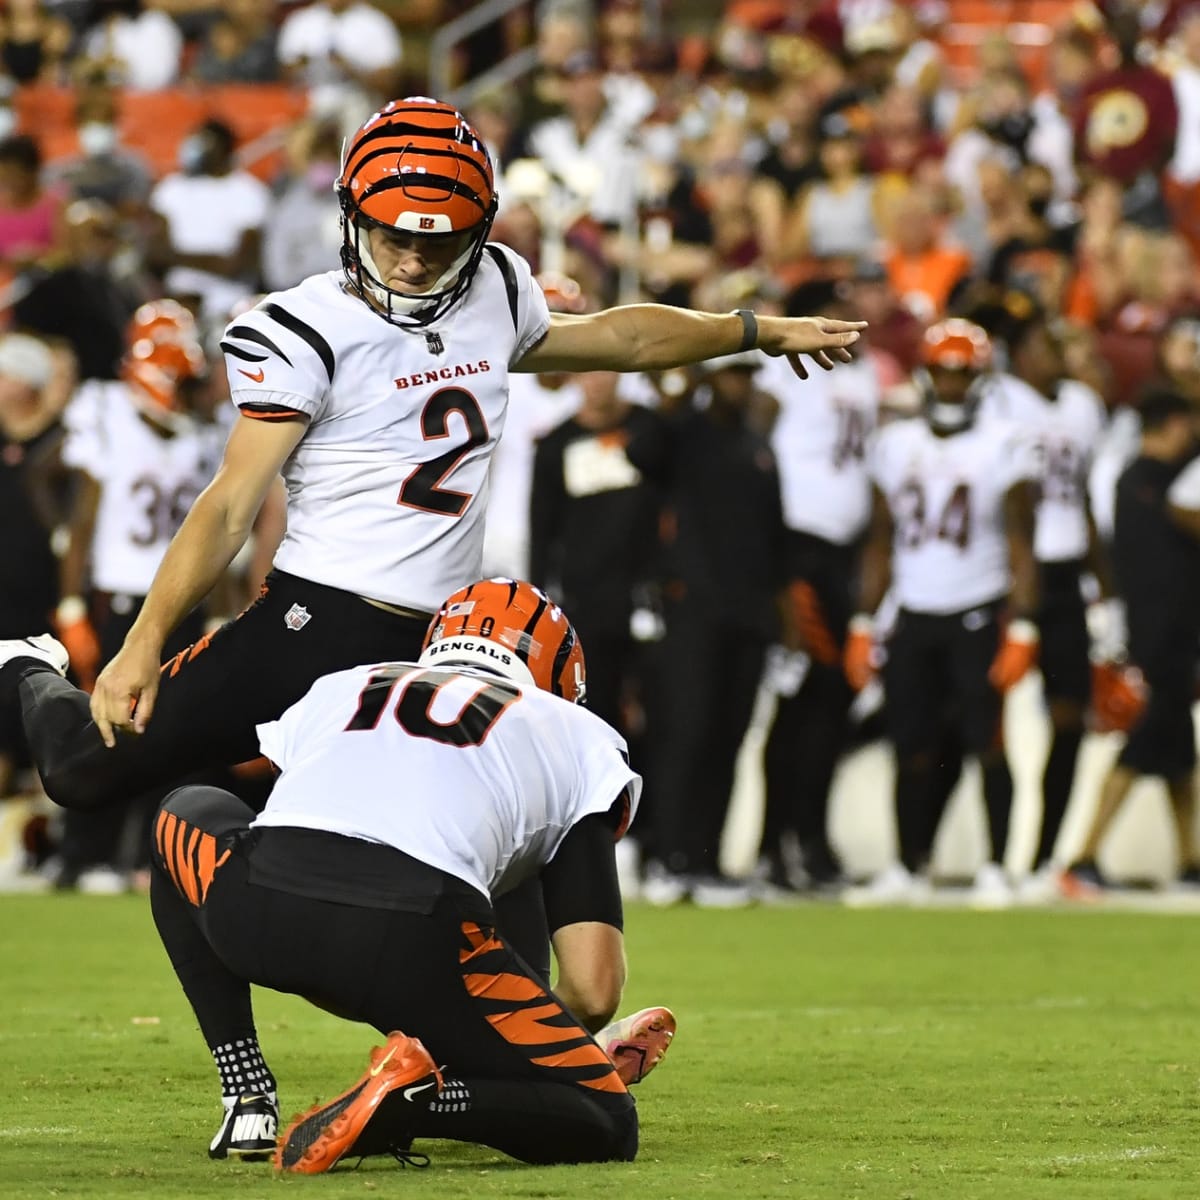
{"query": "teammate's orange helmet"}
{"type": "Point", "coordinates": [513, 628]}
{"type": "Point", "coordinates": [416, 165]}
{"type": "Point", "coordinates": [957, 345]}
{"type": "Point", "coordinates": [164, 350]}
{"type": "Point", "coordinates": [964, 349]}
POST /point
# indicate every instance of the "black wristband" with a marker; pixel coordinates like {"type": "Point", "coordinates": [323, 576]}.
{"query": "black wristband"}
{"type": "Point", "coordinates": [749, 330]}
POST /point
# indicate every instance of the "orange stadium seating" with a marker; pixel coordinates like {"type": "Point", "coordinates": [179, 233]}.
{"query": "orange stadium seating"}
{"type": "Point", "coordinates": [154, 123]}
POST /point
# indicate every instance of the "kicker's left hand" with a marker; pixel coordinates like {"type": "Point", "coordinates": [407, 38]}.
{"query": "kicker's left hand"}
{"type": "Point", "coordinates": [825, 340]}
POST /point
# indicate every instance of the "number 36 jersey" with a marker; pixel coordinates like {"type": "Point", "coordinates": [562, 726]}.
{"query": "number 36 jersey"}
{"type": "Point", "coordinates": [464, 770]}
{"type": "Point", "coordinates": [387, 489]}
{"type": "Point", "coordinates": [946, 497]}
{"type": "Point", "coordinates": [148, 481]}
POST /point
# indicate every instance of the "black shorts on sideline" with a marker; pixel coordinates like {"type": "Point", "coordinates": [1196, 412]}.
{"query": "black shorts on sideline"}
{"type": "Point", "coordinates": [938, 663]}
{"type": "Point", "coordinates": [1062, 623]}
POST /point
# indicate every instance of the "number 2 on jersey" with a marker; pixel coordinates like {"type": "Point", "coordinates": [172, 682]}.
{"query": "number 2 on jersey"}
{"type": "Point", "coordinates": [422, 489]}
{"type": "Point", "coordinates": [469, 728]}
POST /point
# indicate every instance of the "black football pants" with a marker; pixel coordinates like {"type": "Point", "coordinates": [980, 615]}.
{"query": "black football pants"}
{"type": "Point", "coordinates": [525, 1076]}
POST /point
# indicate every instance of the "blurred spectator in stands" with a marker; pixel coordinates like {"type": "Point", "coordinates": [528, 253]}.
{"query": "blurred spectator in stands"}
{"type": "Point", "coordinates": [923, 266]}
{"type": "Point", "coordinates": [345, 52]}
{"type": "Point", "coordinates": [80, 296]}
{"type": "Point", "coordinates": [34, 499]}
{"type": "Point", "coordinates": [1126, 124]}
{"type": "Point", "coordinates": [493, 115]}
{"type": "Point", "coordinates": [29, 212]}
{"type": "Point", "coordinates": [1156, 284]}
{"type": "Point", "coordinates": [790, 161]}
{"type": "Point", "coordinates": [921, 63]}
{"type": "Point", "coordinates": [836, 219]}
{"type": "Point", "coordinates": [592, 157]}
{"type": "Point", "coordinates": [1179, 359]}
{"type": "Point", "coordinates": [103, 169]}
{"type": "Point", "coordinates": [563, 30]}
{"type": "Point", "coordinates": [1028, 252]}
{"type": "Point", "coordinates": [900, 139]}
{"type": "Point", "coordinates": [722, 566]}
{"type": "Point", "coordinates": [896, 334]}
{"type": "Point", "coordinates": [303, 236]}
{"type": "Point", "coordinates": [1183, 181]}
{"type": "Point", "coordinates": [212, 214]}
{"type": "Point", "coordinates": [140, 46]}
{"type": "Point", "coordinates": [1073, 62]}
{"type": "Point", "coordinates": [239, 46]}
{"type": "Point", "coordinates": [33, 42]}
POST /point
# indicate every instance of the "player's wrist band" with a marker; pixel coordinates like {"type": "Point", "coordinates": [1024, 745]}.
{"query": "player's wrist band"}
{"type": "Point", "coordinates": [749, 330]}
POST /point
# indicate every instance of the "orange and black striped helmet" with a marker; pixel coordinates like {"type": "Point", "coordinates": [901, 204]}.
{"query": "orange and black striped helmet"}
{"type": "Point", "coordinates": [957, 345]}
{"type": "Point", "coordinates": [164, 350]}
{"type": "Point", "coordinates": [513, 628]}
{"type": "Point", "coordinates": [417, 166]}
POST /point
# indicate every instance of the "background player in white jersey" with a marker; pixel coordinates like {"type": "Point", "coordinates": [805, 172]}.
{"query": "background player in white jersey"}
{"type": "Point", "coordinates": [819, 439]}
{"type": "Point", "coordinates": [379, 391]}
{"type": "Point", "coordinates": [503, 778]}
{"type": "Point", "coordinates": [141, 460]}
{"type": "Point", "coordinates": [1065, 421]}
{"type": "Point", "coordinates": [536, 404]}
{"type": "Point", "coordinates": [952, 533]}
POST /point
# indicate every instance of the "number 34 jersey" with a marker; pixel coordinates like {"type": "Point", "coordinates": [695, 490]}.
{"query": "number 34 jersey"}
{"type": "Point", "coordinates": [466, 771]}
{"type": "Point", "coordinates": [387, 489]}
{"type": "Point", "coordinates": [148, 481]}
{"type": "Point", "coordinates": [946, 497]}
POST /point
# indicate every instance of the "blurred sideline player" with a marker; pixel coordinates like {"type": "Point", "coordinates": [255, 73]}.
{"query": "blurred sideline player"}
{"type": "Point", "coordinates": [1064, 420]}
{"type": "Point", "coordinates": [536, 404]}
{"type": "Point", "coordinates": [952, 532]}
{"type": "Point", "coordinates": [505, 778]}
{"type": "Point", "coordinates": [1156, 560]}
{"type": "Point", "coordinates": [141, 460]}
{"type": "Point", "coordinates": [819, 439]}
{"type": "Point", "coordinates": [380, 392]}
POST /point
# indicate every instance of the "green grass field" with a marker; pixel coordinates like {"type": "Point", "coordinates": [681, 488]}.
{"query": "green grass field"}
{"type": "Point", "coordinates": [821, 1053]}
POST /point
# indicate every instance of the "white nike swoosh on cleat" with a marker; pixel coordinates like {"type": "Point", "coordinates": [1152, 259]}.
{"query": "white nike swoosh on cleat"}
{"type": "Point", "coordinates": [410, 1092]}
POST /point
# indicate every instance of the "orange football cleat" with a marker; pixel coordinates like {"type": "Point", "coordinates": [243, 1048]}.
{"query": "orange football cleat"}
{"type": "Point", "coordinates": [638, 1043]}
{"type": "Point", "coordinates": [318, 1140]}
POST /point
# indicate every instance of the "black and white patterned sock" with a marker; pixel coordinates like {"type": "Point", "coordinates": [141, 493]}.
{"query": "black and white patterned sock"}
{"type": "Point", "coordinates": [243, 1070]}
{"type": "Point", "coordinates": [454, 1097]}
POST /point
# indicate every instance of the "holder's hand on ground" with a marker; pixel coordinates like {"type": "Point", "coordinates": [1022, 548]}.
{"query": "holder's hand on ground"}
{"type": "Point", "coordinates": [824, 339]}
{"type": "Point", "coordinates": [126, 690]}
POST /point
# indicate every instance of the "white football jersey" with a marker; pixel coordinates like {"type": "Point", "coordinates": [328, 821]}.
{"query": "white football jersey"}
{"type": "Point", "coordinates": [387, 489]}
{"type": "Point", "coordinates": [464, 770]}
{"type": "Point", "coordinates": [1065, 433]}
{"type": "Point", "coordinates": [533, 410]}
{"type": "Point", "coordinates": [820, 439]}
{"type": "Point", "coordinates": [946, 496]}
{"type": "Point", "coordinates": [148, 482]}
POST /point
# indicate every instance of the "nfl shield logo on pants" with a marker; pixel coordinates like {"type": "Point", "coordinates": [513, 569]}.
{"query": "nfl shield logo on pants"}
{"type": "Point", "coordinates": [297, 617]}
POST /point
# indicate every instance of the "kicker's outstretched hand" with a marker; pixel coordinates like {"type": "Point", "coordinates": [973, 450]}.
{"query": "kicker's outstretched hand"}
{"type": "Point", "coordinates": [825, 340]}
